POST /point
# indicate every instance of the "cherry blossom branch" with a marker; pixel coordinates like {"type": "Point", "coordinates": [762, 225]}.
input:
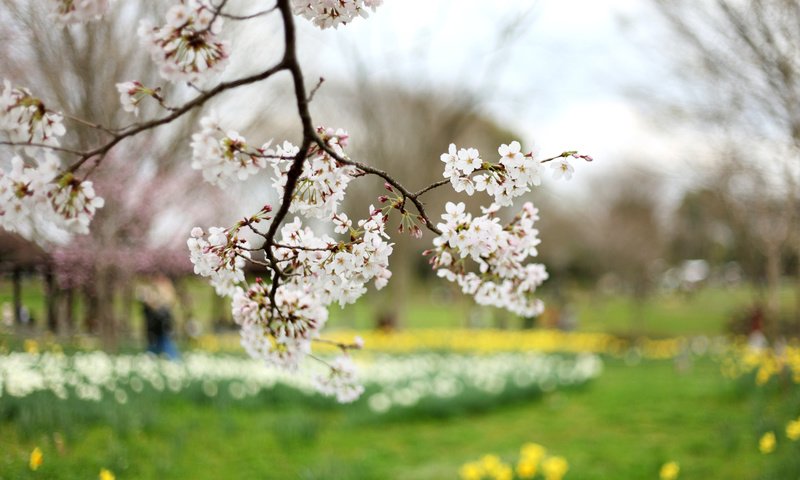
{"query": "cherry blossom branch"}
{"type": "Point", "coordinates": [54, 148]}
{"type": "Point", "coordinates": [300, 247]}
{"type": "Point", "coordinates": [290, 63]}
{"type": "Point", "coordinates": [219, 13]}
{"type": "Point", "coordinates": [314, 90]}
{"type": "Point", "coordinates": [431, 187]}
{"type": "Point", "coordinates": [388, 178]}
{"type": "Point", "coordinates": [89, 124]}
{"type": "Point", "coordinates": [179, 112]}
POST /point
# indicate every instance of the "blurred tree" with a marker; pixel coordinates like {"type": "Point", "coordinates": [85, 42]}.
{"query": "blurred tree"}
{"type": "Point", "coordinates": [150, 204]}
{"type": "Point", "coordinates": [701, 228]}
{"type": "Point", "coordinates": [629, 240]}
{"type": "Point", "coordinates": [740, 61]}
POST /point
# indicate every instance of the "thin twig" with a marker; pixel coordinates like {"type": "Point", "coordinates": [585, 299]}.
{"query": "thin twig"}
{"type": "Point", "coordinates": [42, 145]}
{"type": "Point", "coordinates": [314, 90]}
{"type": "Point", "coordinates": [180, 111]}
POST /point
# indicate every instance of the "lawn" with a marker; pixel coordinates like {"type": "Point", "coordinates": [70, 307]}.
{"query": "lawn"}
{"type": "Point", "coordinates": [623, 425]}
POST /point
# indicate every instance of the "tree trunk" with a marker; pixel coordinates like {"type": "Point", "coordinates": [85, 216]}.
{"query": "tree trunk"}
{"type": "Point", "coordinates": [16, 285]}
{"type": "Point", "coordinates": [68, 305]}
{"type": "Point", "coordinates": [50, 297]}
{"type": "Point", "coordinates": [773, 272]}
{"type": "Point", "coordinates": [107, 321]}
{"type": "Point", "coordinates": [90, 310]}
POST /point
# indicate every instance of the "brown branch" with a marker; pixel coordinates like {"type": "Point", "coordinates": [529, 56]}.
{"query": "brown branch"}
{"type": "Point", "coordinates": [41, 145]}
{"type": "Point", "coordinates": [219, 13]}
{"type": "Point", "coordinates": [89, 124]}
{"type": "Point", "coordinates": [290, 63]}
{"type": "Point", "coordinates": [300, 247]}
{"type": "Point", "coordinates": [315, 89]}
{"type": "Point", "coordinates": [431, 187]}
{"type": "Point", "coordinates": [389, 179]}
{"type": "Point", "coordinates": [180, 111]}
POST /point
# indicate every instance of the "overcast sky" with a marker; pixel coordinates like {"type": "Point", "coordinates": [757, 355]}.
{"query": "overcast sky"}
{"type": "Point", "coordinates": [560, 78]}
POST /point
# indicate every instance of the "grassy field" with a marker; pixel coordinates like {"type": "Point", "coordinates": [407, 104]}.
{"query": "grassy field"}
{"type": "Point", "coordinates": [625, 425]}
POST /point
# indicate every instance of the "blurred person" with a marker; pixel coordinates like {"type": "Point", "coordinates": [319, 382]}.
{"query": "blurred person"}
{"type": "Point", "coordinates": [157, 298]}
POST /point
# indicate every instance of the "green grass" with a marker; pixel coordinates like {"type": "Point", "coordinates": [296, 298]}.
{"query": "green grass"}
{"type": "Point", "coordinates": [706, 311]}
{"type": "Point", "coordinates": [622, 426]}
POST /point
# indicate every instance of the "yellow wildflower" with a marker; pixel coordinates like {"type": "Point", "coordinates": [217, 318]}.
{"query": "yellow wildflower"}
{"type": "Point", "coordinates": [767, 443]}
{"type": "Point", "coordinates": [526, 468]}
{"type": "Point", "coordinates": [669, 471]}
{"type": "Point", "coordinates": [471, 471]}
{"type": "Point", "coordinates": [793, 430]}
{"type": "Point", "coordinates": [554, 468]}
{"type": "Point", "coordinates": [31, 346]}
{"type": "Point", "coordinates": [490, 462]}
{"type": "Point", "coordinates": [106, 474]}
{"type": "Point", "coordinates": [502, 472]}
{"type": "Point", "coordinates": [533, 452]}
{"type": "Point", "coordinates": [36, 458]}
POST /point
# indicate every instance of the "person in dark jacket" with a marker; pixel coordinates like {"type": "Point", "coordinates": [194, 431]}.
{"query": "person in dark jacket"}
{"type": "Point", "coordinates": [157, 299]}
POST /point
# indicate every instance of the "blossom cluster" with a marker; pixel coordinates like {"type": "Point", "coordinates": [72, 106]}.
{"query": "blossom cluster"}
{"type": "Point", "coordinates": [511, 176]}
{"type": "Point", "coordinates": [132, 93]}
{"type": "Point", "coordinates": [332, 13]}
{"type": "Point", "coordinates": [25, 118]}
{"type": "Point", "coordinates": [187, 47]}
{"type": "Point", "coordinates": [282, 315]}
{"type": "Point", "coordinates": [488, 260]}
{"type": "Point", "coordinates": [78, 11]}
{"type": "Point", "coordinates": [36, 200]}
{"type": "Point", "coordinates": [224, 157]}
{"type": "Point", "coordinates": [322, 184]}
{"type": "Point", "coordinates": [341, 381]}
{"type": "Point", "coordinates": [279, 326]}
{"type": "Point", "coordinates": [220, 256]}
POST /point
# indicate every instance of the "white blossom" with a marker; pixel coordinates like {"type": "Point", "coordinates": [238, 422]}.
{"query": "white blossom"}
{"type": "Point", "coordinates": [225, 156]}
{"type": "Point", "coordinates": [332, 13]}
{"type": "Point", "coordinates": [24, 118]}
{"type": "Point", "coordinates": [187, 47]}
{"type": "Point", "coordinates": [322, 185]}
{"type": "Point", "coordinates": [511, 176]}
{"type": "Point", "coordinates": [502, 277]}
{"type": "Point", "coordinates": [340, 381]}
{"type": "Point", "coordinates": [562, 168]}
{"type": "Point", "coordinates": [221, 256]}
{"type": "Point", "coordinates": [42, 205]}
